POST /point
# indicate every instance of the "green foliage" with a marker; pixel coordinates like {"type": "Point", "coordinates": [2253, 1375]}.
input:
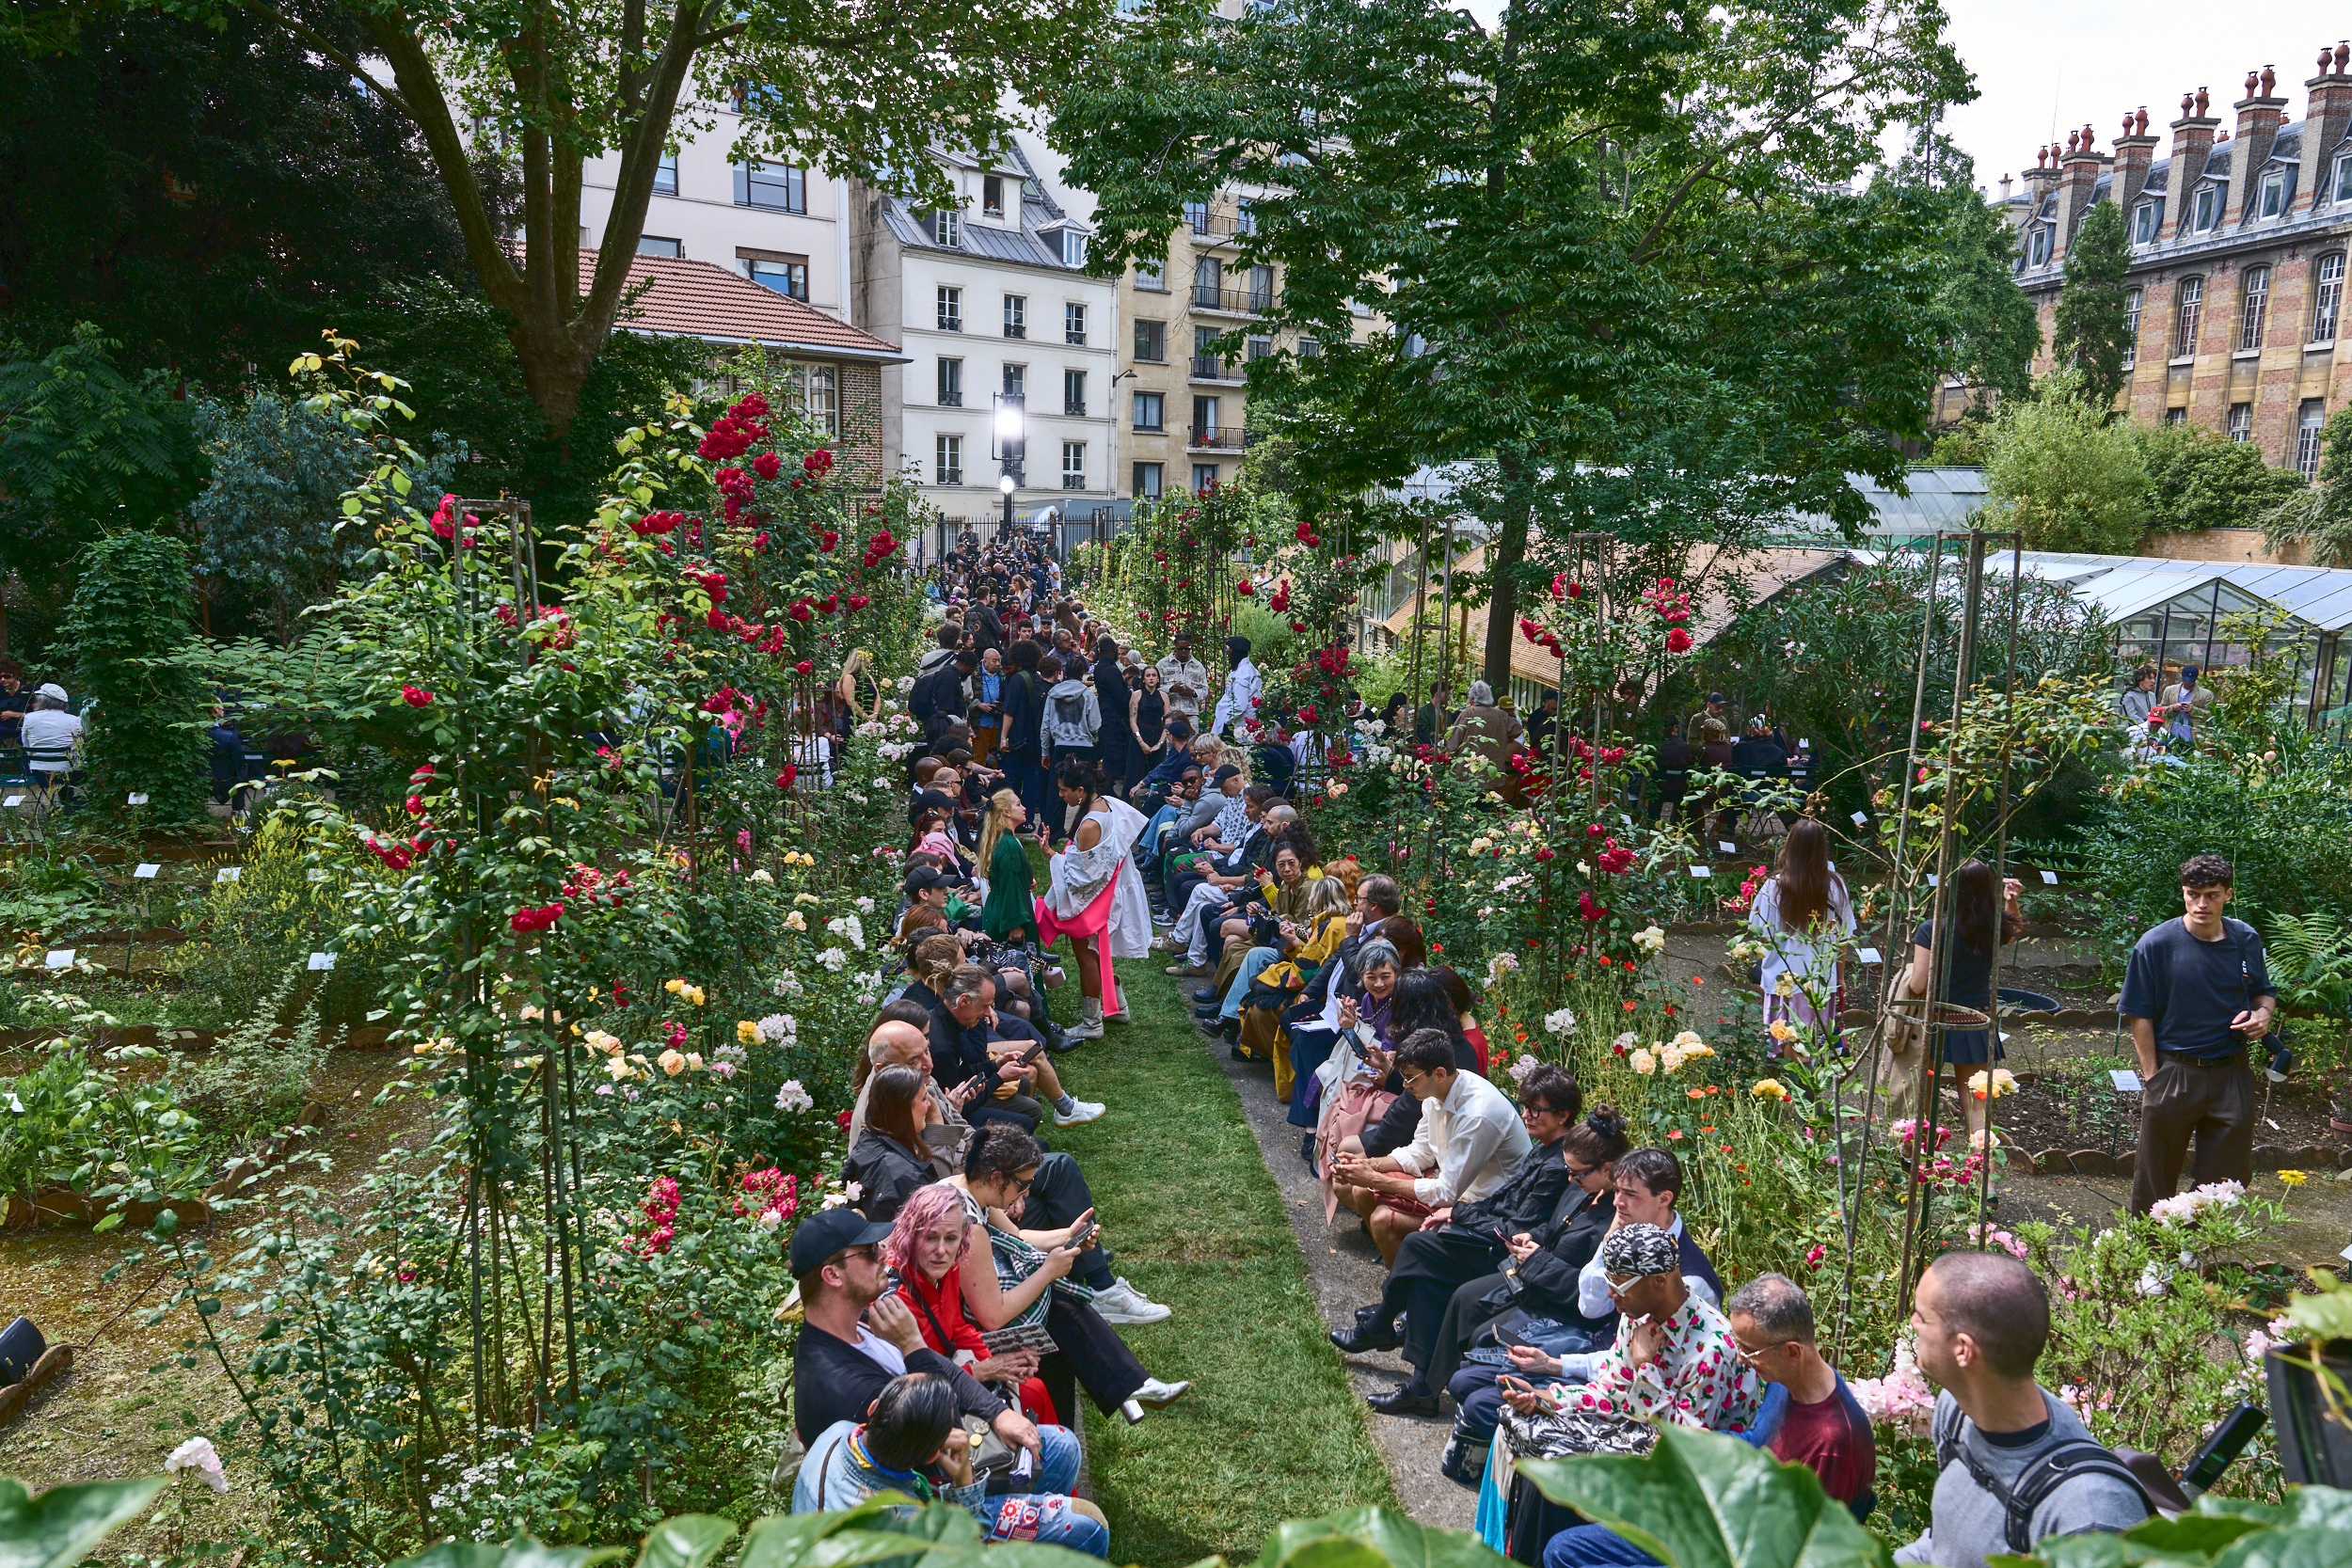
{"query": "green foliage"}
{"type": "Point", "coordinates": [2310, 959]}
{"type": "Point", "coordinates": [268, 518]}
{"type": "Point", "coordinates": [60, 1527]}
{"type": "Point", "coordinates": [2064, 475]}
{"type": "Point", "coordinates": [2319, 515]}
{"type": "Point", "coordinates": [1992, 329]}
{"type": "Point", "coordinates": [2310, 1529]}
{"type": "Point", "coordinates": [86, 447]}
{"type": "Point", "coordinates": [1701, 1500]}
{"type": "Point", "coordinates": [46, 890]}
{"type": "Point", "coordinates": [102, 1130]}
{"type": "Point", "coordinates": [142, 709]}
{"type": "Point", "coordinates": [2087, 335]}
{"type": "Point", "coordinates": [2197, 480]}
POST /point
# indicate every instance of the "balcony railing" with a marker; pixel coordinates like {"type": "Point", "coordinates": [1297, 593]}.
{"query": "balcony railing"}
{"type": "Point", "coordinates": [1217, 438]}
{"type": "Point", "coordinates": [1220, 225]}
{"type": "Point", "coordinates": [1238, 302]}
{"type": "Point", "coordinates": [1209, 367]}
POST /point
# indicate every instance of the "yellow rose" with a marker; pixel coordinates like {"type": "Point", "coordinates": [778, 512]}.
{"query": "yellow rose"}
{"type": "Point", "coordinates": [746, 1032]}
{"type": "Point", "coordinates": [671, 1062]}
{"type": "Point", "coordinates": [673, 985]}
{"type": "Point", "coordinates": [1770, 1088]}
{"type": "Point", "coordinates": [1781, 1031]}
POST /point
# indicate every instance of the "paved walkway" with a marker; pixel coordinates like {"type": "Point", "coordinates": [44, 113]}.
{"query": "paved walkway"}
{"type": "Point", "coordinates": [1343, 1272]}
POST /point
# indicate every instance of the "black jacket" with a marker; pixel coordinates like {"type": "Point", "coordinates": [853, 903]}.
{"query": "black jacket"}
{"type": "Point", "coordinates": [937, 698]}
{"type": "Point", "coordinates": [835, 1380]}
{"type": "Point", "coordinates": [886, 1173]}
{"type": "Point", "coordinates": [1757, 756]}
{"type": "Point", "coordinates": [1547, 1281]}
{"type": "Point", "coordinates": [988, 628]}
{"type": "Point", "coordinates": [1025, 709]}
{"type": "Point", "coordinates": [1527, 1197]}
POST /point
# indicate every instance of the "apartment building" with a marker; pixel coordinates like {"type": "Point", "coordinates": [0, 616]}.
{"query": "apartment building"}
{"type": "Point", "coordinates": [1013, 349]}
{"type": "Point", "coordinates": [777, 224]}
{"type": "Point", "coordinates": [2238, 240]}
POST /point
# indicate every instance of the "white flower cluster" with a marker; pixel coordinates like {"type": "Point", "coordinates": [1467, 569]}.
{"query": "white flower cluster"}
{"type": "Point", "coordinates": [1560, 1022]}
{"type": "Point", "coordinates": [1526, 1063]}
{"type": "Point", "coordinates": [864, 906]}
{"type": "Point", "coordinates": [1651, 939]}
{"type": "Point", "coordinates": [198, 1454]}
{"type": "Point", "coordinates": [850, 929]}
{"type": "Point", "coordinates": [787, 984]}
{"type": "Point", "coordinates": [2183, 1206]}
{"type": "Point", "coordinates": [791, 1096]}
{"type": "Point", "coordinates": [779, 1029]}
{"type": "Point", "coordinates": [894, 751]}
{"type": "Point", "coordinates": [833, 958]}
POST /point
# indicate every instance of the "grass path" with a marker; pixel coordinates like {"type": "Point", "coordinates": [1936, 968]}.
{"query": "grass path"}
{"type": "Point", "coordinates": [1272, 1428]}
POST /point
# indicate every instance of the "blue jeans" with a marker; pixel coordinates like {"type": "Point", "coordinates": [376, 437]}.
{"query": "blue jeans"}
{"type": "Point", "coordinates": [1254, 963]}
{"type": "Point", "coordinates": [1594, 1546]}
{"type": "Point", "coordinates": [1046, 1515]}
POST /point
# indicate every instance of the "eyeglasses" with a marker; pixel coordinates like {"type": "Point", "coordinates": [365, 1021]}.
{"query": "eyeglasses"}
{"type": "Point", "coordinates": [1532, 1109]}
{"type": "Point", "coordinates": [1619, 1286]}
{"type": "Point", "coordinates": [867, 1252]}
{"type": "Point", "coordinates": [1753, 1358]}
{"type": "Point", "coordinates": [1577, 1173]}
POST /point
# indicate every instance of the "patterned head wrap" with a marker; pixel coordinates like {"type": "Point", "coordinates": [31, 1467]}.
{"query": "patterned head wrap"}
{"type": "Point", "coordinates": [1640, 1250]}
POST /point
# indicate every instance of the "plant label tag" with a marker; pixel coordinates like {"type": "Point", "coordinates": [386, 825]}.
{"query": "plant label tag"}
{"type": "Point", "coordinates": [1862, 820]}
{"type": "Point", "coordinates": [17, 1106]}
{"type": "Point", "coordinates": [1726, 849]}
{"type": "Point", "coordinates": [228, 874]}
{"type": "Point", "coordinates": [2125, 1080]}
{"type": "Point", "coordinates": [136, 798]}
{"type": "Point", "coordinates": [57, 957]}
{"type": "Point", "coordinates": [1805, 745]}
{"type": "Point", "coordinates": [2049, 879]}
{"type": "Point", "coordinates": [322, 961]}
{"type": "Point", "coordinates": [1931, 881]}
{"type": "Point", "coordinates": [147, 871]}
{"type": "Point", "coordinates": [1702, 871]}
{"type": "Point", "coordinates": [1626, 817]}
{"type": "Point", "coordinates": [1867, 954]}
{"type": "Point", "coordinates": [13, 801]}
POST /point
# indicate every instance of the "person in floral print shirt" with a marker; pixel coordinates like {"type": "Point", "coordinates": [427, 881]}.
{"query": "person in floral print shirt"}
{"type": "Point", "coordinates": [1675, 1360]}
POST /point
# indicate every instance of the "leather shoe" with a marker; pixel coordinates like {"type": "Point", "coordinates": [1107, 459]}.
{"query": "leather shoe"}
{"type": "Point", "coordinates": [1206, 1010]}
{"type": "Point", "coordinates": [1367, 1338]}
{"type": "Point", "coordinates": [1208, 993]}
{"type": "Point", "coordinates": [1403, 1402]}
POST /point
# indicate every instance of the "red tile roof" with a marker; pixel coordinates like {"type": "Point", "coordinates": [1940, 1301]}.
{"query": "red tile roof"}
{"type": "Point", "coordinates": [700, 300]}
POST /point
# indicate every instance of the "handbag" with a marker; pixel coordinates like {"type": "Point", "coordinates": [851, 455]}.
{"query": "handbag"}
{"type": "Point", "coordinates": [1901, 1033]}
{"type": "Point", "coordinates": [990, 1454]}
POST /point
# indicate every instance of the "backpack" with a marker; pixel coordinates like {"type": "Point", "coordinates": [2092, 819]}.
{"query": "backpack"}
{"type": "Point", "coordinates": [2037, 1481]}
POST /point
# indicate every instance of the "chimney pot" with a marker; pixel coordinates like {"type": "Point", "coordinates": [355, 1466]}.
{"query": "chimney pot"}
{"type": "Point", "coordinates": [2203, 100]}
{"type": "Point", "coordinates": [2219, 137]}
{"type": "Point", "coordinates": [2088, 137]}
{"type": "Point", "coordinates": [2325, 56]}
{"type": "Point", "coordinates": [2139, 121]}
{"type": "Point", "coordinates": [2127, 123]}
{"type": "Point", "coordinates": [2186, 99]}
{"type": "Point", "coordinates": [2270, 80]}
{"type": "Point", "coordinates": [2344, 54]}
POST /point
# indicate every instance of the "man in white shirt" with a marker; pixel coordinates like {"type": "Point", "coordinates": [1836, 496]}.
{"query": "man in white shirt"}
{"type": "Point", "coordinates": [1243, 688]}
{"type": "Point", "coordinates": [1183, 680]}
{"type": "Point", "coordinates": [51, 735]}
{"type": "Point", "coordinates": [1470, 1139]}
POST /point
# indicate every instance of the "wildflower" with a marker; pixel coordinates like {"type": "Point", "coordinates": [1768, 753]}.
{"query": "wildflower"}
{"type": "Point", "coordinates": [197, 1454]}
{"type": "Point", "coordinates": [1624, 1042]}
{"type": "Point", "coordinates": [2292, 1177]}
{"type": "Point", "coordinates": [1770, 1088]}
{"type": "Point", "coordinates": [1560, 1022]}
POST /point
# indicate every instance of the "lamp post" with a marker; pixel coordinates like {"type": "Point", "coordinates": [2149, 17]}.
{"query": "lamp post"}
{"type": "Point", "coordinates": [1011, 437]}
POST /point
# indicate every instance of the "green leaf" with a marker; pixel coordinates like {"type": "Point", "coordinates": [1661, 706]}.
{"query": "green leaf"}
{"type": "Point", "coordinates": [824, 1540]}
{"type": "Point", "coordinates": [457, 1554]}
{"type": "Point", "coordinates": [1373, 1538]}
{"type": "Point", "coordinates": [526, 1552]}
{"type": "Point", "coordinates": [1701, 1500]}
{"type": "Point", "coordinates": [62, 1525]}
{"type": "Point", "coordinates": [688, 1541]}
{"type": "Point", "coordinates": [2305, 1546]}
{"type": "Point", "coordinates": [2194, 1537]}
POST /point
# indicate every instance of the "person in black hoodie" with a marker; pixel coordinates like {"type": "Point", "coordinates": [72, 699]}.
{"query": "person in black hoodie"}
{"type": "Point", "coordinates": [1023, 710]}
{"type": "Point", "coordinates": [937, 698]}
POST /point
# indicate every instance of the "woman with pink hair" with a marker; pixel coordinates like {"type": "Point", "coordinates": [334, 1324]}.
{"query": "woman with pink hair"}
{"type": "Point", "coordinates": [927, 1246]}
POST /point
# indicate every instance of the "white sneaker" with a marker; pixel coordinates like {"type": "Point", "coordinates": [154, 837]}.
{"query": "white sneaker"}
{"type": "Point", "coordinates": [1123, 1303]}
{"type": "Point", "coordinates": [1156, 1395]}
{"type": "Point", "coordinates": [1080, 1110]}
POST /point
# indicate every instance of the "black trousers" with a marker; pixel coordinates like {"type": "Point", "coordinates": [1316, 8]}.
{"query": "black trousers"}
{"type": "Point", "coordinates": [1466, 1313]}
{"type": "Point", "coordinates": [1057, 1197]}
{"type": "Point", "coordinates": [2186, 1099]}
{"type": "Point", "coordinates": [1088, 1353]}
{"type": "Point", "coordinates": [1430, 1266]}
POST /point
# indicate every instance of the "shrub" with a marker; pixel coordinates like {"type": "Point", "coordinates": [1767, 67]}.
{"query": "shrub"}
{"type": "Point", "coordinates": [130, 617]}
{"type": "Point", "coordinates": [2065, 476]}
{"type": "Point", "coordinates": [2198, 481]}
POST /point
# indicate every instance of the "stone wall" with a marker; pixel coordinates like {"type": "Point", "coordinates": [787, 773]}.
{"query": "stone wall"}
{"type": "Point", "coordinates": [2229, 545]}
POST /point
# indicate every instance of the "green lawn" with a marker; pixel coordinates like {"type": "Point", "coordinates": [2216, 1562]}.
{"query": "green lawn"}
{"type": "Point", "coordinates": [1271, 1430]}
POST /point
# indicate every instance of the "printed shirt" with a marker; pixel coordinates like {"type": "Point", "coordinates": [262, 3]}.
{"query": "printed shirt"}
{"type": "Point", "coordinates": [1698, 1380]}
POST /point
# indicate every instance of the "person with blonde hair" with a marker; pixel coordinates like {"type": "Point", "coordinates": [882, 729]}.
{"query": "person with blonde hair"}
{"type": "Point", "coordinates": [1008, 915]}
{"type": "Point", "coordinates": [860, 691]}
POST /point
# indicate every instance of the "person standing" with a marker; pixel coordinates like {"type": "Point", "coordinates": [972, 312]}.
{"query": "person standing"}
{"type": "Point", "coordinates": [2197, 994]}
{"type": "Point", "coordinates": [1985, 918]}
{"type": "Point", "coordinates": [14, 703]}
{"type": "Point", "coordinates": [1484, 730]}
{"type": "Point", "coordinates": [1717, 708]}
{"type": "Point", "coordinates": [1804, 915]}
{"type": "Point", "coordinates": [1147, 725]}
{"type": "Point", "coordinates": [1023, 710]}
{"type": "Point", "coordinates": [1243, 689]}
{"type": "Point", "coordinates": [1073, 716]}
{"type": "Point", "coordinates": [2140, 697]}
{"type": "Point", "coordinates": [1111, 701]}
{"type": "Point", "coordinates": [986, 711]}
{"type": "Point", "coordinates": [2185, 703]}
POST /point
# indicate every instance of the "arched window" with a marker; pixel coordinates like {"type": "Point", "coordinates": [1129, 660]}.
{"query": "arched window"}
{"type": "Point", "coordinates": [2189, 300]}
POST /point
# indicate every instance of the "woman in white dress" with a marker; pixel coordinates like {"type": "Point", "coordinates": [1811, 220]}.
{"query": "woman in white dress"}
{"type": "Point", "coordinates": [1804, 916]}
{"type": "Point", "coordinates": [1096, 895]}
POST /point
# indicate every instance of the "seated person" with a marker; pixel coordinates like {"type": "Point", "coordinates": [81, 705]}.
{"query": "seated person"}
{"type": "Point", "coordinates": [1809, 1417]}
{"type": "Point", "coordinates": [1648, 1184]}
{"type": "Point", "coordinates": [909, 1442]}
{"type": "Point", "coordinates": [1424, 998]}
{"type": "Point", "coordinates": [1308, 941]}
{"type": "Point", "coordinates": [1462, 1241]}
{"type": "Point", "coordinates": [1532, 1301]}
{"type": "Point", "coordinates": [991, 1090]}
{"type": "Point", "coordinates": [931, 903]}
{"type": "Point", "coordinates": [50, 736]}
{"type": "Point", "coordinates": [929, 1243]}
{"type": "Point", "coordinates": [890, 1156]}
{"type": "Point", "coordinates": [1468, 1141]}
{"type": "Point", "coordinates": [1206, 890]}
{"type": "Point", "coordinates": [971, 1039]}
{"type": "Point", "coordinates": [1178, 756]}
{"type": "Point", "coordinates": [1277, 889]}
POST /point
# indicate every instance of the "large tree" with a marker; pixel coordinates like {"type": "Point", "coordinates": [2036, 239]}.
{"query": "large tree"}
{"type": "Point", "coordinates": [1611, 245]}
{"type": "Point", "coordinates": [2088, 333]}
{"type": "Point", "coordinates": [860, 86]}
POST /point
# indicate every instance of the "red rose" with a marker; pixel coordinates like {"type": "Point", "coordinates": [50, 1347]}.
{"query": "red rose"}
{"type": "Point", "coordinates": [767, 465]}
{"type": "Point", "coordinates": [783, 780]}
{"type": "Point", "coordinates": [1677, 641]}
{"type": "Point", "coordinates": [416, 805]}
{"type": "Point", "coordinates": [803, 668]}
{"type": "Point", "coordinates": [859, 601]}
{"type": "Point", "coordinates": [1244, 588]}
{"type": "Point", "coordinates": [817, 462]}
{"type": "Point", "coordinates": [416, 696]}
{"type": "Point", "coordinates": [842, 1120]}
{"type": "Point", "coordinates": [538, 919]}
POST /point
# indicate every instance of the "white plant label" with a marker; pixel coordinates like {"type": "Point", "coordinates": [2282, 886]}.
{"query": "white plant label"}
{"type": "Point", "coordinates": [1860, 819]}
{"type": "Point", "coordinates": [1726, 849]}
{"type": "Point", "coordinates": [1867, 954]}
{"type": "Point", "coordinates": [13, 801]}
{"type": "Point", "coordinates": [148, 871]}
{"type": "Point", "coordinates": [57, 957]}
{"type": "Point", "coordinates": [228, 874]}
{"type": "Point", "coordinates": [322, 961]}
{"type": "Point", "coordinates": [1805, 745]}
{"type": "Point", "coordinates": [18, 1107]}
{"type": "Point", "coordinates": [136, 798]}
{"type": "Point", "coordinates": [2126, 1081]}
{"type": "Point", "coordinates": [2050, 877]}
{"type": "Point", "coordinates": [1702, 871]}
{"type": "Point", "coordinates": [1931, 881]}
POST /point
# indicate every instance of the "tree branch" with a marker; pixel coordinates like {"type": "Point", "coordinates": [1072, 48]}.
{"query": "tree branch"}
{"type": "Point", "coordinates": [344, 58]}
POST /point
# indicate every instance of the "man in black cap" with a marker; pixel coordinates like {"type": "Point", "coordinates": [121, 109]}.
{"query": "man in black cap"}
{"type": "Point", "coordinates": [857, 1335]}
{"type": "Point", "coordinates": [1715, 709]}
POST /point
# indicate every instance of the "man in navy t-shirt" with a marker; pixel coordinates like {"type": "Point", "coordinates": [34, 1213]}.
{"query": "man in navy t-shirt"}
{"type": "Point", "coordinates": [2197, 994]}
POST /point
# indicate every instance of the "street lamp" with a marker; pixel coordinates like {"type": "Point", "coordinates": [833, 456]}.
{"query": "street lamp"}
{"type": "Point", "coordinates": [1011, 439]}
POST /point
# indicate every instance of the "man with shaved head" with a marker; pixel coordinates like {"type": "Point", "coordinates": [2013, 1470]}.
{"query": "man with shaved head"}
{"type": "Point", "coordinates": [2015, 1464]}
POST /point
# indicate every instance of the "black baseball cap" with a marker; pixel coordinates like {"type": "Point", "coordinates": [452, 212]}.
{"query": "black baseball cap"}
{"type": "Point", "coordinates": [1228, 772]}
{"type": "Point", "coordinates": [828, 1232]}
{"type": "Point", "coordinates": [924, 877]}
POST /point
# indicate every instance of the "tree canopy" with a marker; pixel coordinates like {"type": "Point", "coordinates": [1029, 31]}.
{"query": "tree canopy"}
{"type": "Point", "coordinates": [1612, 247]}
{"type": "Point", "coordinates": [2088, 333]}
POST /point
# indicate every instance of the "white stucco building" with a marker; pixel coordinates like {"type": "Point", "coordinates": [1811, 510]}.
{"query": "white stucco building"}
{"type": "Point", "coordinates": [989, 300]}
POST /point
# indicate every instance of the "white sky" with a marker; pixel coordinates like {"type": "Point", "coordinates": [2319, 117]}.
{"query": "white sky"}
{"type": "Point", "coordinates": [2054, 64]}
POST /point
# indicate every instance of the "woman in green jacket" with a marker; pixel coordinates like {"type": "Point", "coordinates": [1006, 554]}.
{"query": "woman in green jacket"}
{"type": "Point", "coordinates": [1010, 914]}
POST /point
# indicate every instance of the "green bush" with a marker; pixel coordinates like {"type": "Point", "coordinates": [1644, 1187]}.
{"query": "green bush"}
{"type": "Point", "coordinates": [2065, 476]}
{"type": "Point", "coordinates": [2198, 481]}
{"type": "Point", "coordinates": [130, 619]}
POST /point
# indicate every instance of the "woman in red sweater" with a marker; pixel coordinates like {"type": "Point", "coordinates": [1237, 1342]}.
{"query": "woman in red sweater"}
{"type": "Point", "coordinates": [925, 1248]}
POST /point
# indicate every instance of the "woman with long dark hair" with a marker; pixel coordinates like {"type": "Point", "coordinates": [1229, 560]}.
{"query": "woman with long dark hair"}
{"type": "Point", "coordinates": [1803, 916]}
{"type": "Point", "coordinates": [1147, 724]}
{"type": "Point", "coordinates": [1984, 917]}
{"type": "Point", "coordinates": [1111, 698]}
{"type": "Point", "coordinates": [1096, 895]}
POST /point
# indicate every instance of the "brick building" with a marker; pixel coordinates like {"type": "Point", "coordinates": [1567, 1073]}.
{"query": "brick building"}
{"type": "Point", "coordinates": [2239, 240]}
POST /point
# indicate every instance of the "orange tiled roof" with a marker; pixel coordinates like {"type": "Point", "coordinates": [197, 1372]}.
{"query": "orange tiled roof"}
{"type": "Point", "coordinates": [697, 299]}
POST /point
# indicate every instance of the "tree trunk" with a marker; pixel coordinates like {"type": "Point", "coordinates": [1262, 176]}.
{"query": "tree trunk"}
{"type": "Point", "coordinates": [1503, 555]}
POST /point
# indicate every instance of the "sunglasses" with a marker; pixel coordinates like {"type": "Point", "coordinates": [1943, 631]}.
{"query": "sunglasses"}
{"type": "Point", "coordinates": [1620, 1285]}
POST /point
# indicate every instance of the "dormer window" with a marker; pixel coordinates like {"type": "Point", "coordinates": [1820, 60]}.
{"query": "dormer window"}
{"type": "Point", "coordinates": [992, 194]}
{"type": "Point", "coordinates": [2147, 218]}
{"type": "Point", "coordinates": [2038, 248]}
{"type": "Point", "coordinates": [1073, 249]}
{"type": "Point", "coordinates": [947, 227]}
{"type": "Point", "coordinates": [2274, 193]}
{"type": "Point", "coordinates": [2208, 210]}
{"type": "Point", "coordinates": [2342, 182]}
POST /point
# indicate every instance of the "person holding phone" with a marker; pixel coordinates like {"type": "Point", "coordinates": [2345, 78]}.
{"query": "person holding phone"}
{"type": "Point", "coordinates": [1468, 1142]}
